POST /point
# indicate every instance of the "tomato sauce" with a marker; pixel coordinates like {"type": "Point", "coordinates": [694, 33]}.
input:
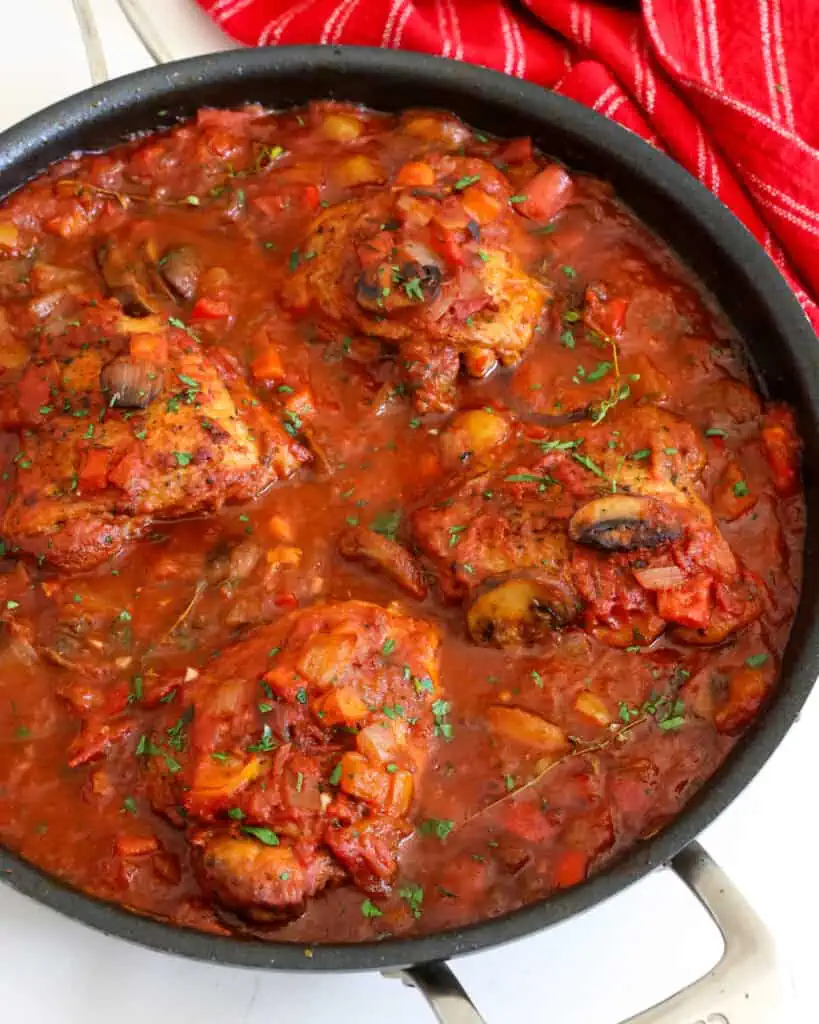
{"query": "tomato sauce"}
{"type": "Point", "coordinates": [262, 365]}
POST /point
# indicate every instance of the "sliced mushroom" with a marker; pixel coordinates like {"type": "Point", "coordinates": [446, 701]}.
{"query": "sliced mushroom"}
{"type": "Point", "coordinates": [521, 612]}
{"type": "Point", "coordinates": [369, 291]}
{"type": "Point", "coordinates": [126, 279]}
{"type": "Point", "coordinates": [428, 276]}
{"type": "Point", "coordinates": [180, 269]}
{"type": "Point", "coordinates": [130, 383]}
{"type": "Point", "coordinates": [624, 522]}
{"type": "Point", "coordinates": [385, 555]}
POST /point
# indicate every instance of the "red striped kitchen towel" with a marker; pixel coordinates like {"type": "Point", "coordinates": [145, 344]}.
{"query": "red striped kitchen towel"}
{"type": "Point", "coordinates": [730, 88]}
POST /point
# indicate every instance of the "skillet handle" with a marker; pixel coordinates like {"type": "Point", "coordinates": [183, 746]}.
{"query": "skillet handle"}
{"type": "Point", "coordinates": [92, 40]}
{"type": "Point", "coordinates": [743, 988]}
{"type": "Point", "coordinates": [442, 990]}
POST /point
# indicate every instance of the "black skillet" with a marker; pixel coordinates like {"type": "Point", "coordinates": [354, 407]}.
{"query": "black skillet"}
{"type": "Point", "coordinates": [782, 350]}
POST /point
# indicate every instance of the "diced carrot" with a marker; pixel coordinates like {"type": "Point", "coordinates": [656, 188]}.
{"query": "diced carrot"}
{"type": "Point", "coordinates": [150, 347]}
{"type": "Point", "coordinates": [340, 706]}
{"type": "Point", "coordinates": [280, 528]}
{"type": "Point", "coordinates": [570, 868]}
{"type": "Point", "coordinates": [93, 475]}
{"type": "Point", "coordinates": [732, 495]}
{"type": "Point", "coordinates": [210, 309]}
{"type": "Point", "coordinates": [481, 205]}
{"type": "Point", "coordinates": [415, 173]}
{"type": "Point", "coordinates": [546, 194]}
{"type": "Point", "coordinates": [136, 846]}
{"type": "Point", "coordinates": [267, 366]}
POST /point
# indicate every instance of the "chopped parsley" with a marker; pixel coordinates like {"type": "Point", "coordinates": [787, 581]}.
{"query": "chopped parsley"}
{"type": "Point", "coordinates": [388, 647]}
{"type": "Point", "coordinates": [264, 835]}
{"type": "Point", "coordinates": [740, 489]}
{"type": "Point", "coordinates": [387, 523]}
{"type": "Point", "coordinates": [413, 289]}
{"type": "Point", "coordinates": [756, 660]}
{"type": "Point", "coordinates": [599, 371]}
{"type": "Point", "coordinates": [589, 464]}
{"type": "Point", "coordinates": [413, 896]}
{"type": "Point", "coordinates": [455, 535]}
{"type": "Point", "coordinates": [236, 813]}
{"type": "Point", "coordinates": [129, 805]}
{"type": "Point", "coordinates": [183, 458]}
{"type": "Point", "coordinates": [440, 710]}
{"type": "Point", "coordinates": [438, 827]}
{"type": "Point", "coordinates": [369, 909]}
{"type": "Point", "coordinates": [466, 181]}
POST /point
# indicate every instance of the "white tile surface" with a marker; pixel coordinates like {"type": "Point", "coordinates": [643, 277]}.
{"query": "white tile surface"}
{"type": "Point", "coordinates": [598, 969]}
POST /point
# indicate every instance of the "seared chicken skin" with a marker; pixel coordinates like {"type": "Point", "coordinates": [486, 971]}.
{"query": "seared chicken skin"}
{"type": "Point", "coordinates": [305, 747]}
{"type": "Point", "coordinates": [415, 267]}
{"type": "Point", "coordinates": [151, 426]}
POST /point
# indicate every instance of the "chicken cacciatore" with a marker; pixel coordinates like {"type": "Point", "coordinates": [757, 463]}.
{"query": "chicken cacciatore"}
{"type": "Point", "coordinates": [392, 533]}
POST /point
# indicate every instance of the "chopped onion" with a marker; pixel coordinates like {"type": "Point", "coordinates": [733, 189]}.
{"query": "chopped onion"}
{"type": "Point", "coordinates": [420, 253]}
{"type": "Point", "coordinates": [660, 577]}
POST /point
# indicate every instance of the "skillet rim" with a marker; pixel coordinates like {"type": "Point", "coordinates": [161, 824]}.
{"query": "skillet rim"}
{"type": "Point", "coordinates": [33, 144]}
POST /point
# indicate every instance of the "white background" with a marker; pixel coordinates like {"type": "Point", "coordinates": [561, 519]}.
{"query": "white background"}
{"type": "Point", "coordinates": [614, 961]}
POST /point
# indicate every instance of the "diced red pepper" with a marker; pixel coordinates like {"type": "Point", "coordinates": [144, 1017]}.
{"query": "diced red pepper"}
{"type": "Point", "coordinates": [311, 197]}
{"type": "Point", "coordinates": [570, 868]}
{"type": "Point", "coordinates": [446, 244]}
{"type": "Point", "coordinates": [546, 194]}
{"type": "Point", "coordinates": [210, 309]}
{"type": "Point", "coordinates": [93, 475]}
{"type": "Point", "coordinates": [530, 822]}
{"type": "Point", "coordinates": [689, 604]}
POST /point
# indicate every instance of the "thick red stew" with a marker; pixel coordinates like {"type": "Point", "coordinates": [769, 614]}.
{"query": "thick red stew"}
{"type": "Point", "coordinates": [392, 534]}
